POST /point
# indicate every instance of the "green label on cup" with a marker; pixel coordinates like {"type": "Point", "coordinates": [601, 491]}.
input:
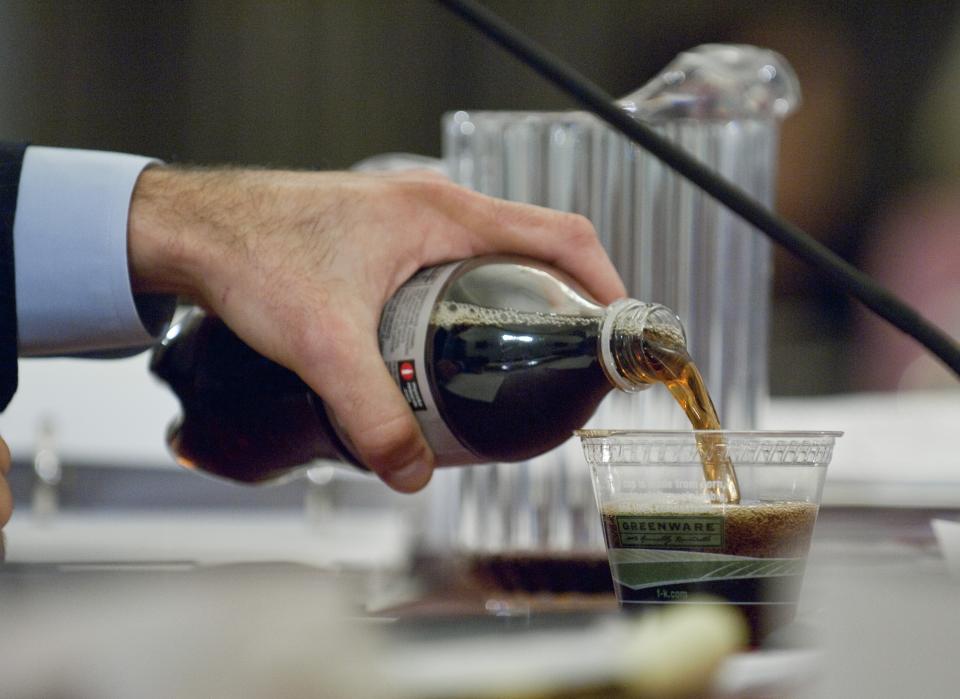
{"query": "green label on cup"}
{"type": "Point", "coordinates": [694, 531]}
{"type": "Point", "coordinates": [655, 575]}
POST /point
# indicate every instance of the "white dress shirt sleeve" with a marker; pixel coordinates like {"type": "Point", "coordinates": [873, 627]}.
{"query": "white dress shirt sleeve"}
{"type": "Point", "coordinates": [70, 255]}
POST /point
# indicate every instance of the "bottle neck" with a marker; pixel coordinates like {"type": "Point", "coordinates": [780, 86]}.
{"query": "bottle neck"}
{"type": "Point", "coordinates": [627, 328]}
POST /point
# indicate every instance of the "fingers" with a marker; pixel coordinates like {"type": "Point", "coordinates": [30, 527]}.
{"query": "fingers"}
{"type": "Point", "coordinates": [4, 457]}
{"type": "Point", "coordinates": [6, 503]}
{"type": "Point", "coordinates": [6, 497]}
{"type": "Point", "coordinates": [352, 379]}
{"type": "Point", "coordinates": [568, 241]}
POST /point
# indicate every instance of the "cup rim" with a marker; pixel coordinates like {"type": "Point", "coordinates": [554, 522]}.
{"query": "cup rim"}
{"type": "Point", "coordinates": [761, 434]}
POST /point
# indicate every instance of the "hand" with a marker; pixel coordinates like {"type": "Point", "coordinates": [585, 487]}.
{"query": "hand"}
{"type": "Point", "coordinates": [300, 265]}
{"type": "Point", "coordinates": [6, 498]}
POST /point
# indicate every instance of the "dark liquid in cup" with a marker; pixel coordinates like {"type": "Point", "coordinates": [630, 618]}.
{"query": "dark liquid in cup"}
{"type": "Point", "coordinates": [751, 555]}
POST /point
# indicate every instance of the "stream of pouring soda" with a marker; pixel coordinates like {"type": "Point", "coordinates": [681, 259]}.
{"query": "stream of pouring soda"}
{"type": "Point", "coordinates": [672, 365]}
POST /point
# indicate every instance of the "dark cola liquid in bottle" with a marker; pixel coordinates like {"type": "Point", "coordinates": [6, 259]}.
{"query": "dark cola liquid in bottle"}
{"type": "Point", "coordinates": [499, 358]}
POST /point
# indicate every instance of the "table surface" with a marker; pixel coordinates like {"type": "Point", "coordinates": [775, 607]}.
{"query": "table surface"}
{"type": "Point", "coordinates": [876, 588]}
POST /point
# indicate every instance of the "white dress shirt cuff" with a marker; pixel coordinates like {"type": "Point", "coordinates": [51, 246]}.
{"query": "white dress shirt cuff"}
{"type": "Point", "coordinates": [70, 255]}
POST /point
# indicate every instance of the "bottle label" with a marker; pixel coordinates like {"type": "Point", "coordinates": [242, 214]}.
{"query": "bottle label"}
{"type": "Point", "coordinates": [403, 344]}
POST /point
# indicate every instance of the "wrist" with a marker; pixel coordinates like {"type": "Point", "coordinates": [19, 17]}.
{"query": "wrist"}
{"type": "Point", "coordinates": [161, 242]}
{"type": "Point", "coordinates": [184, 225]}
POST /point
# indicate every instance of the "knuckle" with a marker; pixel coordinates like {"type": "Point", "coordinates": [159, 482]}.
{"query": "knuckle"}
{"type": "Point", "coordinates": [440, 189]}
{"type": "Point", "coordinates": [424, 183]}
{"type": "Point", "coordinates": [579, 229]}
{"type": "Point", "coordinates": [428, 176]}
{"type": "Point", "coordinates": [497, 214]}
{"type": "Point", "coordinates": [448, 192]}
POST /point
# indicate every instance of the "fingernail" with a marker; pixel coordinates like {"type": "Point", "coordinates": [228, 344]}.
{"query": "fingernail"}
{"type": "Point", "coordinates": [411, 477]}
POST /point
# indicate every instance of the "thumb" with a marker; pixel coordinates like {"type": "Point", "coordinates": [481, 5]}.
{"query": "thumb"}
{"type": "Point", "coordinates": [353, 381]}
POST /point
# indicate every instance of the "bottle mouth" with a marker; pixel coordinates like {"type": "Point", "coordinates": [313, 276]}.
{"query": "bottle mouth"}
{"type": "Point", "coordinates": [624, 336]}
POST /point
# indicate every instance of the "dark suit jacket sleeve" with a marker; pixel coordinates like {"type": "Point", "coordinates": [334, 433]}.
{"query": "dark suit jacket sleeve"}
{"type": "Point", "coordinates": [11, 160]}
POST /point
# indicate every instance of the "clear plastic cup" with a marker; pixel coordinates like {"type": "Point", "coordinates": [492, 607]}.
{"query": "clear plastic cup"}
{"type": "Point", "coordinates": [668, 542]}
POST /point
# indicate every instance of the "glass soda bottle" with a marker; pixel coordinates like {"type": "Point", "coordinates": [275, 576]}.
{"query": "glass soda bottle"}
{"type": "Point", "coordinates": [500, 359]}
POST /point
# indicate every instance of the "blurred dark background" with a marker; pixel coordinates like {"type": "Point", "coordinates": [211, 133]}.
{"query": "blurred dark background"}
{"type": "Point", "coordinates": [325, 84]}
